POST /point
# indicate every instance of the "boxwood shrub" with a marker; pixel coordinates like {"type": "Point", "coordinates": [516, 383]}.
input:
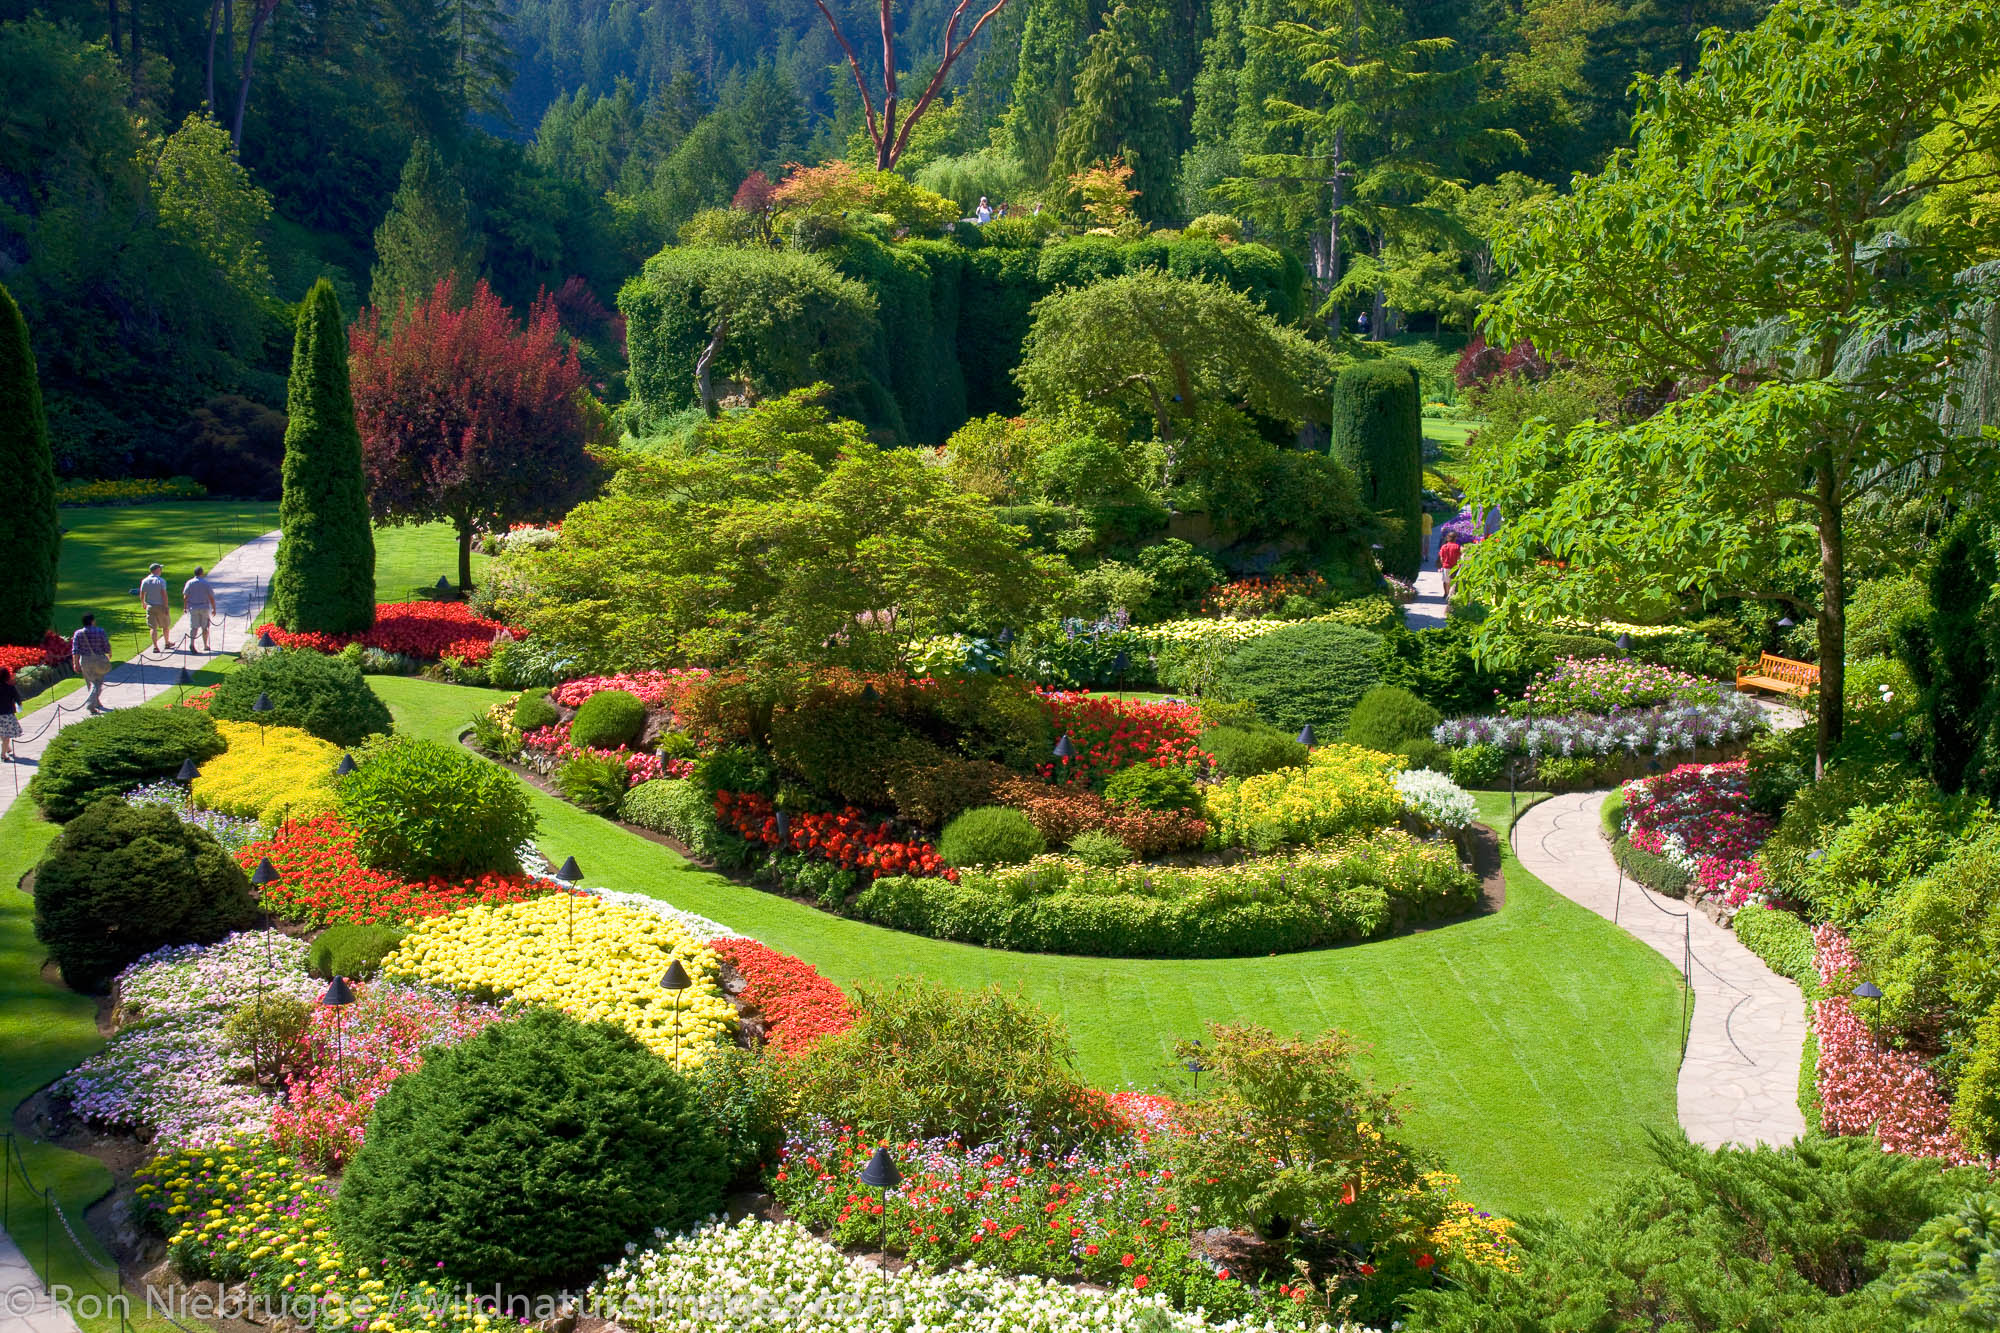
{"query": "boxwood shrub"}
{"type": "Point", "coordinates": [352, 949]}
{"type": "Point", "coordinates": [110, 755]}
{"type": "Point", "coordinates": [426, 808]}
{"type": "Point", "coordinates": [1387, 717]}
{"type": "Point", "coordinates": [607, 720]}
{"type": "Point", "coordinates": [327, 696]}
{"type": "Point", "coordinates": [1246, 751]}
{"type": "Point", "coordinates": [990, 835]}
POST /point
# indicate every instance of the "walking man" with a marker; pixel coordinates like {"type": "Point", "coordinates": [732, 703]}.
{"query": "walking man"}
{"type": "Point", "coordinates": [159, 620]}
{"type": "Point", "coordinates": [199, 599]}
{"type": "Point", "coordinates": [1448, 555]}
{"type": "Point", "coordinates": [90, 649]}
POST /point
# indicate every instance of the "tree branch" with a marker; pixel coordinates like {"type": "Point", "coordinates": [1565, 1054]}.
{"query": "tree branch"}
{"type": "Point", "coordinates": [854, 63]}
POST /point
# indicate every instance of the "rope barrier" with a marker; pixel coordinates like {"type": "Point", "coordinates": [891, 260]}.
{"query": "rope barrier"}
{"type": "Point", "coordinates": [112, 1290]}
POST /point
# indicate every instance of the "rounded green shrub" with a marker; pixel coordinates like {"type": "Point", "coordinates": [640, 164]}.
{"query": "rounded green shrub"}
{"type": "Point", "coordinates": [528, 1156]}
{"type": "Point", "coordinates": [1095, 847]}
{"type": "Point", "coordinates": [607, 720]}
{"type": "Point", "coordinates": [1153, 788]}
{"type": "Point", "coordinates": [352, 949]}
{"type": "Point", "coordinates": [533, 710]}
{"type": "Point", "coordinates": [990, 835]}
{"type": "Point", "coordinates": [110, 755]}
{"type": "Point", "coordinates": [1311, 673]}
{"type": "Point", "coordinates": [124, 880]}
{"type": "Point", "coordinates": [1246, 751]}
{"type": "Point", "coordinates": [1387, 717]}
{"type": "Point", "coordinates": [327, 696]}
{"type": "Point", "coordinates": [425, 808]}
{"type": "Point", "coordinates": [1478, 765]}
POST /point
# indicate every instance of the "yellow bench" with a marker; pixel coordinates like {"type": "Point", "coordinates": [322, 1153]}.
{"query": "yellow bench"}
{"type": "Point", "coordinates": [1781, 675]}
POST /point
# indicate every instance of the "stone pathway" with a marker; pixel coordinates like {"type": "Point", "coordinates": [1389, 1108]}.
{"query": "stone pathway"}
{"type": "Point", "coordinates": [1429, 610]}
{"type": "Point", "coordinates": [240, 579]}
{"type": "Point", "coordinates": [24, 1306]}
{"type": "Point", "coordinates": [1740, 1080]}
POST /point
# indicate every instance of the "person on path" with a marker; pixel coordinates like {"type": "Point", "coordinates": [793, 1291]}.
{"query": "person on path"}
{"type": "Point", "coordinates": [10, 722]}
{"type": "Point", "coordinates": [1448, 560]}
{"type": "Point", "coordinates": [90, 649]}
{"type": "Point", "coordinates": [159, 620]}
{"type": "Point", "coordinates": [1424, 529]}
{"type": "Point", "coordinates": [199, 599]}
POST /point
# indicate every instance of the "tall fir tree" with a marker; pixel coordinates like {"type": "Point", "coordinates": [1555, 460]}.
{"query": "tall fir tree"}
{"type": "Point", "coordinates": [1126, 108]}
{"type": "Point", "coordinates": [426, 237]}
{"type": "Point", "coordinates": [325, 579]}
{"type": "Point", "coordinates": [29, 532]}
{"type": "Point", "coordinates": [1053, 39]}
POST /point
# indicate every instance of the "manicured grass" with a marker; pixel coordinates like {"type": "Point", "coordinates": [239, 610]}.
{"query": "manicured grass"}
{"type": "Point", "coordinates": [408, 560]}
{"type": "Point", "coordinates": [1538, 1046]}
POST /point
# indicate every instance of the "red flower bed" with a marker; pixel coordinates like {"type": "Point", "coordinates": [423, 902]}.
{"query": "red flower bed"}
{"type": "Point", "coordinates": [847, 839]}
{"type": "Point", "coordinates": [322, 881]}
{"type": "Point", "coordinates": [657, 689]}
{"type": "Point", "coordinates": [14, 658]}
{"type": "Point", "coordinates": [427, 631]}
{"type": "Point", "coordinates": [1111, 734]}
{"type": "Point", "coordinates": [799, 1005]}
{"type": "Point", "coordinates": [1701, 814]}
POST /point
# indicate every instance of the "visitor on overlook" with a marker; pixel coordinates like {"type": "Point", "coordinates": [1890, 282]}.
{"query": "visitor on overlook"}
{"type": "Point", "coordinates": [90, 649]}
{"type": "Point", "coordinates": [984, 213]}
{"type": "Point", "coordinates": [10, 724]}
{"type": "Point", "coordinates": [159, 620]}
{"type": "Point", "coordinates": [199, 599]}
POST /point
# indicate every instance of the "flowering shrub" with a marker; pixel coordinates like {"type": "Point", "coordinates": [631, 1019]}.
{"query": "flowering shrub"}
{"type": "Point", "coordinates": [1699, 817]}
{"type": "Point", "coordinates": [1658, 731]}
{"type": "Point", "coordinates": [848, 839]}
{"type": "Point", "coordinates": [128, 491]}
{"type": "Point", "coordinates": [427, 631]}
{"type": "Point", "coordinates": [321, 881]}
{"type": "Point", "coordinates": [1608, 685]}
{"type": "Point", "coordinates": [234, 832]}
{"type": "Point", "coordinates": [798, 1004]}
{"type": "Point", "coordinates": [1255, 598]}
{"type": "Point", "coordinates": [351, 1057]}
{"type": "Point", "coordinates": [1340, 789]}
{"type": "Point", "coordinates": [241, 1211]}
{"type": "Point", "coordinates": [657, 689]}
{"type": "Point", "coordinates": [598, 960]}
{"type": "Point", "coordinates": [1060, 813]}
{"type": "Point", "coordinates": [1436, 798]}
{"type": "Point", "coordinates": [267, 773]}
{"type": "Point", "coordinates": [776, 1277]}
{"type": "Point", "coordinates": [1865, 1084]}
{"type": "Point", "coordinates": [1110, 734]}
{"type": "Point", "coordinates": [527, 537]}
{"type": "Point", "coordinates": [169, 1071]}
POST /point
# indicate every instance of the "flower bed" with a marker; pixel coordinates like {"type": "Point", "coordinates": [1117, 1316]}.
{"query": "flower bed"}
{"type": "Point", "coordinates": [1256, 598]}
{"type": "Point", "coordinates": [169, 1072]}
{"type": "Point", "coordinates": [1340, 789]}
{"type": "Point", "coordinates": [1436, 799]}
{"type": "Point", "coordinates": [1699, 818]}
{"type": "Point", "coordinates": [128, 491]}
{"type": "Point", "coordinates": [798, 1004]}
{"type": "Point", "coordinates": [1352, 890]}
{"type": "Point", "coordinates": [1646, 731]}
{"type": "Point", "coordinates": [267, 773]}
{"type": "Point", "coordinates": [598, 960]}
{"type": "Point", "coordinates": [234, 832]}
{"type": "Point", "coordinates": [848, 840]}
{"type": "Point", "coordinates": [426, 631]}
{"type": "Point", "coordinates": [1609, 684]}
{"type": "Point", "coordinates": [656, 689]}
{"type": "Point", "coordinates": [321, 881]}
{"type": "Point", "coordinates": [1060, 813]}
{"type": "Point", "coordinates": [14, 657]}
{"type": "Point", "coordinates": [1110, 734]}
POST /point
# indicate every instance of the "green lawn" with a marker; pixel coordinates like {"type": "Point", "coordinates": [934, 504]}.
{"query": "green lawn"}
{"type": "Point", "coordinates": [1538, 1045]}
{"type": "Point", "coordinates": [408, 560]}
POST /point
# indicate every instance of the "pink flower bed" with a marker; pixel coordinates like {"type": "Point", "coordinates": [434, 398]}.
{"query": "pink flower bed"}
{"type": "Point", "coordinates": [551, 745]}
{"type": "Point", "coordinates": [1864, 1084]}
{"type": "Point", "coordinates": [1699, 817]}
{"type": "Point", "coordinates": [657, 689]}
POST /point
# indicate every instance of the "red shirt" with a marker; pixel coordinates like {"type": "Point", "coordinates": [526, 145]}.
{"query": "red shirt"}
{"type": "Point", "coordinates": [1448, 555]}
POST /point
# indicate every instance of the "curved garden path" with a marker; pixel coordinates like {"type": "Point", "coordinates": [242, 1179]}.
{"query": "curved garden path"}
{"type": "Point", "coordinates": [1740, 1078]}
{"type": "Point", "coordinates": [240, 579]}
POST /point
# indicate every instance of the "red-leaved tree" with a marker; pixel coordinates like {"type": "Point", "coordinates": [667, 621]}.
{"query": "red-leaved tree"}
{"type": "Point", "coordinates": [469, 415]}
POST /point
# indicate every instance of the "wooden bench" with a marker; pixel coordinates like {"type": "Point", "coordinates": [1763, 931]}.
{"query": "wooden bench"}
{"type": "Point", "coordinates": [1781, 675]}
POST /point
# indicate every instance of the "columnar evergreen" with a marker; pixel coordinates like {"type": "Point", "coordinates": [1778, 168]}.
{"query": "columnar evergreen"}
{"type": "Point", "coordinates": [326, 559]}
{"type": "Point", "coordinates": [29, 533]}
{"type": "Point", "coordinates": [1378, 430]}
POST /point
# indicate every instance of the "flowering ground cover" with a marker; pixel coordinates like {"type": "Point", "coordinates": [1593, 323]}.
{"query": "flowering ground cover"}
{"type": "Point", "coordinates": [427, 631]}
{"type": "Point", "coordinates": [268, 773]}
{"type": "Point", "coordinates": [798, 1004]}
{"type": "Point", "coordinates": [1340, 789]}
{"type": "Point", "coordinates": [848, 839]}
{"type": "Point", "coordinates": [1699, 817]}
{"type": "Point", "coordinates": [1607, 685]}
{"type": "Point", "coordinates": [1110, 734]}
{"type": "Point", "coordinates": [321, 881]}
{"type": "Point", "coordinates": [1661, 730]}
{"type": "Point", "coordinates": [234, 832]}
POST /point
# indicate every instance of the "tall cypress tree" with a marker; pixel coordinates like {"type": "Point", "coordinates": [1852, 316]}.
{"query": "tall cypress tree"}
{"type": "Point", "coordinates": [1378, 431]}
{"type": "Point", "coordinates": [326, 559]}
{"type": "Point", "coordinates": [29, 532]}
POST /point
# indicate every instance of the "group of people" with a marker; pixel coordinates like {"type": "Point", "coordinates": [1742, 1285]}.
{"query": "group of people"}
{"type": "Point", "coordinates": [986, 212]}
{"type": "Point", "coordinates": [90, 646]}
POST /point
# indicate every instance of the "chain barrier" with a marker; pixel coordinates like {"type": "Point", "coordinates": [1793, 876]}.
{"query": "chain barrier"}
{"type": "Point", "coordinates": [94, 1268]}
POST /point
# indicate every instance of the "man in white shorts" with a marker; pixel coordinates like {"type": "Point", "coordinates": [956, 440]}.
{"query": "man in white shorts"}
{"type": "Point", "coordinates": [199, 599]}
{"type": "Point", "coordinates": [159, 620]}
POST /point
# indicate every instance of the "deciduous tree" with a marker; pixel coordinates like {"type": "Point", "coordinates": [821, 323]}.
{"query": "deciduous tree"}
{"type": "Point", "coordinates": [889, 133]}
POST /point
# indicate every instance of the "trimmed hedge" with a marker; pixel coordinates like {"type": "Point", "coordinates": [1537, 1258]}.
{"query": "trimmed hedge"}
{"type": "Point", "coordinates": [1784, 941]}
{"type": "Point", "coordinates": [352, 949]}
{"type": "Point", "coordinates": [1245, 752]}
{"type": "Point", "coordinates": [1378, 431]}
{"type": "Point", "coordinates": [1307, 673]}
{"type": "Point", "coordinates": [317, 693]}
{"type": "Point", "coordinates": [989, 835]}
{"type": "Point", "coordinates": [1654, 872]}
{"type": "Point", "coordinates": [110, 755]}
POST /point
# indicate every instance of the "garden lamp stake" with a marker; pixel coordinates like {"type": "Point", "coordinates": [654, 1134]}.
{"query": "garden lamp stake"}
{"type": "Point", "coordinates": [674, 982]}
{"type": "Point", "coordinates": [570, 874]}
{"type": "Point", "coordinates": [881, 1172]}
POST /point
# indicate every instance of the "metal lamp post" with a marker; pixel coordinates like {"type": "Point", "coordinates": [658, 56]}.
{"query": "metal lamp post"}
{"type": "Point", "coordinates": [346, 766]}
{"type": "Point", "coordinates": [1306, 736]}
{"type": "Point", "coordinates": [338, 996]}
{"type": "Point", "coordinates": [1868, 990]}
{"type": "Point", "coordinates": [265, 640]}
{"type": "Point", "coordinates": [673, 983]}
{"type": "Point", "coordinates": [188, 774]}
{"type": "Point", "coordinates": [262, 706]}
{"type": "Point", "coordinates": [881, 1173]}
{"type": "Point", "coordinates": [1064, 752]}
{"type": "Point", "coordinates": [570, 874]}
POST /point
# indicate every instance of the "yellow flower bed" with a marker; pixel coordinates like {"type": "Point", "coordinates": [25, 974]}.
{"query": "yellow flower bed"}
{"type": "Point", "coordinates": [609, 972]}
{"type": "Point", "coordinates": [239, 1211]}
{"type": "Point", "coordinates": [1469, 1235]}
{"type": "Point", "coordinates": [268, 773]}
{"type": "Point", "coordinates": [1341, 789]}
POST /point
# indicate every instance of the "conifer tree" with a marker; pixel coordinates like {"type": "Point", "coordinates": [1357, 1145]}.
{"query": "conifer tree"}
{"type": "Point", "coordinates": [1125, 109]}
{"type": "Point", "coordinates": [29, 532]}
{"type": "Point", "coordinates": [427, 236]}
{"type": "Point", "coordinates": [325, 578]}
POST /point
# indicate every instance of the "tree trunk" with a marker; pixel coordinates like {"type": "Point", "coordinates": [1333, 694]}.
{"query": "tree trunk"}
{"type": "Point", "coordinates": [704, 366]}
{"type": "Point", "coordinates": [257, 22]}
{"type": "Point", "coordinates": [1832, 615]}
{"type": "Point", "coordinates": [111, 23]}
{"type": "Point", "coordinates": [464, 557]}
{"type": "Point", "coordinates": [208, 69]}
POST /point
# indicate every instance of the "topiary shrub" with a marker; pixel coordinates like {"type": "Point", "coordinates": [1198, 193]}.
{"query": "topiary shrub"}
{"type": "Point", "coordinates": [1312, 673]}
{"type": "Point", "coordinates": [1095, 847]}
{"type": "Point", "coordinates": [1378, 431]}
{"type": "Point", "coordinates": [425, 808]}
{"type": "Point", "coordinates": [533, 710]}
{"type": "Point", "coordinates": [1387, 717]}
{"type": "Point", "coordinates": [326, 696]}
{"type": "Point", "coordinates": [1153, 788]}
{"type": "Point", "coordinates": [528, 1156]}
{"type": "Point", "coordinates": [990, 835]}
{"type": "Point", "coordinates": [109, 755]}
{"type": "Point", "coordinates": [30, 528]}
{"type": "Point", "coordinates": [124, 880]}
{"type": "Point", "coordinates": [1246, 751]}
{"type": "Point", "coordinates": [607, 720]}
{"type": "Point", "coordinates": [352, 950]}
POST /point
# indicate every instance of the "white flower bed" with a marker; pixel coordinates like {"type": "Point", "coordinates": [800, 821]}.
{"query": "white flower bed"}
{"type": "Point", "coordinates": [534, 863]}
{"type": "Point", "coordinates": [1436, 798]}
{"type": "Point", "coordinates": [766, 1277]}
